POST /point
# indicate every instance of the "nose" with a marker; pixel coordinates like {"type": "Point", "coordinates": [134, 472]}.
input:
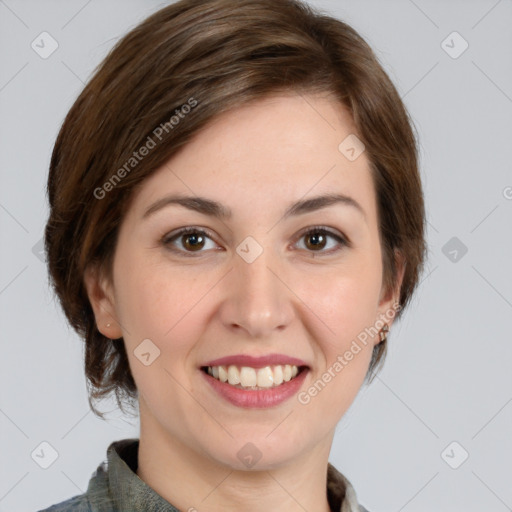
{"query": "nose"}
{"type": "Point", "coordinates": [257, 298]}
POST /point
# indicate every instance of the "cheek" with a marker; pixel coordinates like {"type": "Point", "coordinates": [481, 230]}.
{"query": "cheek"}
{"type": "Point", "coordinates": [347, 305]}
{"type": "Point", "coordinates": [346, 300]}
{"type": "Point", "coordinates": [161, 305]}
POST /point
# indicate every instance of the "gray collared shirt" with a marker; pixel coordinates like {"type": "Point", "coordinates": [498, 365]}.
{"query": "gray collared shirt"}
{"type": "Point", "coordinates": [115, 487]}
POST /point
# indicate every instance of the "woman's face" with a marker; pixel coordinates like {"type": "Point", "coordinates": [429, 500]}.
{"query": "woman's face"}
{"type": "Point", "coordinates": [254, 284]}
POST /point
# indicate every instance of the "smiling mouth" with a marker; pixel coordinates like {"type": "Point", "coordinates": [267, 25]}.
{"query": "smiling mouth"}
{"type": "Point", "coordinates": [248, 378]}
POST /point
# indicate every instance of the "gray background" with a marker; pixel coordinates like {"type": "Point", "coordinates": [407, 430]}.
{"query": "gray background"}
{"type": "Point", "coordinates": [447, 378]}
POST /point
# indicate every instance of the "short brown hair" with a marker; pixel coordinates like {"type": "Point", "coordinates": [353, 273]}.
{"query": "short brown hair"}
{"type": "Point", "coordinates": [220, 54]}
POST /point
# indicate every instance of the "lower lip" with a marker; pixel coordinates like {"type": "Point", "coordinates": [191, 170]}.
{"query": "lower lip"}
{"type": "Point", "coordinates": [260, 399]}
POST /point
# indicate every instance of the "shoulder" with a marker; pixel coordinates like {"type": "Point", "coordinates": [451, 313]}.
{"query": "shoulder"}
{"type": "Point", "coordinates": [78, 503]}
{"type": "Point", "coordinates": [94, 500]}
{"type": "Point", "coordinates": [98, 497]}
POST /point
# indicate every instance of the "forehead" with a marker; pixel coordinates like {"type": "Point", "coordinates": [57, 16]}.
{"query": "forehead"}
{"type": "Point", "coordinates": [278, 149]}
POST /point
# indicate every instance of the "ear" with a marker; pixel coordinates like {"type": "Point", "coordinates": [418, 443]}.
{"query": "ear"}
{"type": "Point", "coordinates": [390, 296]}
{"type": "Point", "coordinates": [100, 293]}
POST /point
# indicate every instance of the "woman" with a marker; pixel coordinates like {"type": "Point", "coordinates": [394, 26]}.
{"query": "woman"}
{"type": "Point", "coordinates": [236, 221]}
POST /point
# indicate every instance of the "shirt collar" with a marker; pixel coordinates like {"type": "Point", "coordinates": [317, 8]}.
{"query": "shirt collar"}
{"type": "Point", "coordinates": [117, 482]}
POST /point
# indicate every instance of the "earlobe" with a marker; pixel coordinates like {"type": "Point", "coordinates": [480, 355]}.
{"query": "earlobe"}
{"type": "Point", "coordinates": [102, 302]}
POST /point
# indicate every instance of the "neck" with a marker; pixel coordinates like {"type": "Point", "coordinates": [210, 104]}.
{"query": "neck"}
{"type": "Point", "coordinates": [193, 482]}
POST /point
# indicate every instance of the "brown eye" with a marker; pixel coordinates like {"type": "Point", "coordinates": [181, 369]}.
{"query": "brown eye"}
{"type": "Point", "coordinates": [193, 241]}
{"type": "Point", "coordinates": [317, 239]}
{"type": "Point", "coordinates": [188, 241]}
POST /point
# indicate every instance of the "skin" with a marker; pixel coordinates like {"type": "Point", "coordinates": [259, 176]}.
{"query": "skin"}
{"type": "Point", "coordinates": [293, 299]}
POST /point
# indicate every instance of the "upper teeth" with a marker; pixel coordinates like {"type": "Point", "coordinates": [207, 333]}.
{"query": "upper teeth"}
{"type": "Point", "coordinates": [267, 377]}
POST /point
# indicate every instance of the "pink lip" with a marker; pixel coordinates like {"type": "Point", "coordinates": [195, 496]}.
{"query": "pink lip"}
{"type": "Point", "coordinates": [256, 362]}
{"type": "Point", "coordinates": [259, 399]}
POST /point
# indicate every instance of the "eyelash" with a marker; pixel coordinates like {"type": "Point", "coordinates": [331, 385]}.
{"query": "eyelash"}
{"type": "Point", "coordinates": [167, 240]}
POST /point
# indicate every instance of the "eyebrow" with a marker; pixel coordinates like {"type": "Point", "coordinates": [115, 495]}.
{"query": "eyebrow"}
{"type": "Point", "coordinates": [215, 209]}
